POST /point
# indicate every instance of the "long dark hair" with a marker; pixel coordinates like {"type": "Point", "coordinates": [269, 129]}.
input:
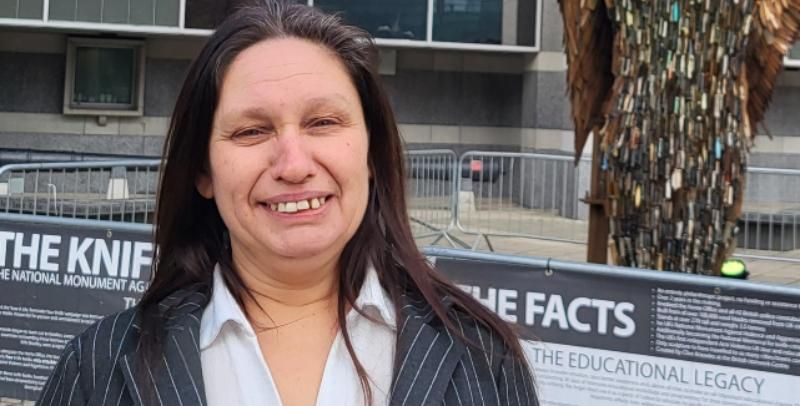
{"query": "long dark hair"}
{"type": "Point", "coordinates": [190, 233]}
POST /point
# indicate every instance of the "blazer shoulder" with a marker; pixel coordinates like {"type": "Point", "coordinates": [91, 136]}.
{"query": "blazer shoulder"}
{"type": "Point", "coordinates": [109, 332]}
{"type": "Point", "coordinates": [88, 360]}
{"type": "Point", "coordinates": [103, 343]}
{"type": "Point", "coordinates": [118, 333]}
{"type": "Point", "coordinates": [90, 367]}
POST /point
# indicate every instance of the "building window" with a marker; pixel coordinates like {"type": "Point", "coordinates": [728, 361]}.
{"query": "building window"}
{"type": "Point", "coordinates": [135, 12]}
{"type": "Point", "coordinates": [485, 21]}
{"type": "Point", "coordinates": [104, 77]}
{"type": "Point", "coordinates": [21, 9]}
{"type": "Point", "coordinates": [794, 53]}
{"type": "Point", "coordinates": [495, 22]}
{"type": "Point", "coordinates": [397, 19]}
{"type": "Point", "coordinates": [474, 21]}
{"type": "Point", "coordinates": [208, 14]}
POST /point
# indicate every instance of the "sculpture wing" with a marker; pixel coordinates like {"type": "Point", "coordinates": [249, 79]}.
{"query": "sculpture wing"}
{"type": "Point", "coordinates": [588, 42]}
{"type": "Point", "coordinates": [775, 27]}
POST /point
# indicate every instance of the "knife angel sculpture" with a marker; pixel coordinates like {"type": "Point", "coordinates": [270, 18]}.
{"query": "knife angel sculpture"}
{"type": "Point", "coordinates": [674, 90]}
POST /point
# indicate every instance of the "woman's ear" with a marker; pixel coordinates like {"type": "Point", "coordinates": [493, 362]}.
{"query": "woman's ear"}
{"type": "Point", "coordinates": [204, 185]}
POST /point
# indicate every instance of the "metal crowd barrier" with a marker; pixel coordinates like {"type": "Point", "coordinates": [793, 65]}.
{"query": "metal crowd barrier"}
{"type": "Point", "coordinates": [125, 191]}
{"type": "Point", "coordinates": [769, 227]}
{"type": "Point", "coordinates": [431, 188]}
{"type": "Point", "coordinates": [506, 194]}
{"type": "Point", "coordinates": [479, 194]}
{"type": "Point", "coordinates": [120, 191]}
{"type": "Point", "coordinates": [524, 195]}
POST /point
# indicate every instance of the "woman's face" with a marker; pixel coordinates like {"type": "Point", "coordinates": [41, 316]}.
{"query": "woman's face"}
{"type": "Point", "coordinates": [288, 152]}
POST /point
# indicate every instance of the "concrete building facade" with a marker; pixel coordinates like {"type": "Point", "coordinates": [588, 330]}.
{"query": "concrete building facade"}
{"type": "Point", "coordinates": [500, 86]}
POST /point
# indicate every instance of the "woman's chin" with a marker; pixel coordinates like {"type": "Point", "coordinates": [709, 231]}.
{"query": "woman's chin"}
{"type": "Point", "coordinates": [303, 249]}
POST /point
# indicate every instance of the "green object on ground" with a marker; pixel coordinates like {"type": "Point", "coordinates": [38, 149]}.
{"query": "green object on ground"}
{"type": "Point", "coordinates": [734, 268]}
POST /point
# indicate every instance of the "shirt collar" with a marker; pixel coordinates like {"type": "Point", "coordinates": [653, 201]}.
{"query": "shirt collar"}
{"type": "Point", "coordinates": [373, 297]}
{"type": "Point", "coordinates": [223, 308]}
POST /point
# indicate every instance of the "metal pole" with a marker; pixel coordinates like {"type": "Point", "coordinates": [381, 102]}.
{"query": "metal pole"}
{"type": "Point", "coordinates": [597, 250]}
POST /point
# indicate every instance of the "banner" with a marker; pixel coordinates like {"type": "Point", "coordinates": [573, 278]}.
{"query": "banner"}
{"type": "Point", "coordinates": [601, 339]}
{"type": "Point", "coordinates": [54, 283]}
{"type": "Point", "coordinates": [629, 339]}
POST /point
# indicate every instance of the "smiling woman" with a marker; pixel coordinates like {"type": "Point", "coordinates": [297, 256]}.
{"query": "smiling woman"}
{"type": "Point", "coordinates": [288, 112]}
{"type": "Point", "coordinates": [286, 271]}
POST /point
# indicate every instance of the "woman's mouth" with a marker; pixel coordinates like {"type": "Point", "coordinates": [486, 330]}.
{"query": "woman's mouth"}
{"type": "Point", "coordinates": [298, 206]}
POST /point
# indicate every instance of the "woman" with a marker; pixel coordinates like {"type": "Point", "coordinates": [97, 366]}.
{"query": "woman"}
{"type": "Point", "coordinates": [287, 272]}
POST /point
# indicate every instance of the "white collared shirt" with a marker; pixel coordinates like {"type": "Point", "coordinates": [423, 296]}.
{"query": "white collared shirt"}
{"type": "Point", "coordinates": [234, 371]}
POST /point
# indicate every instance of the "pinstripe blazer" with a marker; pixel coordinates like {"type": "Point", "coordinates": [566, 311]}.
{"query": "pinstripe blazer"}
{"type": "Point", "coordinates": [432, 367]}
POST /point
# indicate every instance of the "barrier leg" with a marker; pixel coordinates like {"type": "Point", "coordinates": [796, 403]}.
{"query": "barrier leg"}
{"type": "Point", "coordinates": [488, 243]}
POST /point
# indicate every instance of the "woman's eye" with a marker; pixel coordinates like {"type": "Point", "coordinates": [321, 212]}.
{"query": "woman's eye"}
{"type": "Point", "coordinates": [323, 122]}
{"type": "Point", "coordinates": [250, 132]}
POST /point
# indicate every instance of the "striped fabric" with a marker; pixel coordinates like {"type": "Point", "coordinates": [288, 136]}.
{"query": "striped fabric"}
{"type": "Point", "coordinates": [432, 366]}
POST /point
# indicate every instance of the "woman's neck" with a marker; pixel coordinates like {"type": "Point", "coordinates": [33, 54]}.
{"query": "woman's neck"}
{"type": "Point", "coordinates": [289, 289]}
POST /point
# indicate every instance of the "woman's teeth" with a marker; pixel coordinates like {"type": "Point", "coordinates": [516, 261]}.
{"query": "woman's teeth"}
{"type": "Point", "coordinates": [300, 205]}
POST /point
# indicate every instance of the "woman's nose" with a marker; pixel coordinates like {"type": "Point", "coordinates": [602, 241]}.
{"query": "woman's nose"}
{"type": "Point", "coordinates": [292, 161]}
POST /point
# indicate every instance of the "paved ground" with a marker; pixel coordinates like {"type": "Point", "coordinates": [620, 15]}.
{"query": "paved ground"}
{"type": "Point", "coordinates": [783, 269]}
{"type": "Point", "coordinates": [761, 270]}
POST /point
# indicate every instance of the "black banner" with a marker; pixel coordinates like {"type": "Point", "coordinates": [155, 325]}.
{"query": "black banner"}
{"type": "Point", "coordinates": [55, 281]}
{"type": "Point", "coordinates": [628, 334]}
{"type": "Point", "coordinates": [603, 339]}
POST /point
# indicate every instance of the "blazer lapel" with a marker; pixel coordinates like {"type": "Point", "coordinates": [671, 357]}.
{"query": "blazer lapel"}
{"type": "Point", "coordinates": [177, 378]}
{"type": "Point", "coordinates": [426, 357]}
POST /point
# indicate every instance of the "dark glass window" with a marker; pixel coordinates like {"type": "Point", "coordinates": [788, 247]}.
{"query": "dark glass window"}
{"type": "Point", "coordinates": [205, 13]}
{"type": "Point", "coordinates": [104, 76]}
{"type": "Point", "coordinates": [8, 9]}
{"type": "Point", "coordinates": [139, 12]}
{"type": "Point", "coordinates": [473, 21]}
{"type": "Point", "coordinates": [405, 19]}
{"type": "Point", "coordinates": [21, 9]}
{"type": "Point", "coordinates": [526, 23]}
{"type": "Point", "coordinates": [208, 14]}
{"type": "Point", "coordinates": [63, 10]}
{"type": "Point", "coordinates": [794, 53]}
{"type": "Point", "coordinates": [485, 21]}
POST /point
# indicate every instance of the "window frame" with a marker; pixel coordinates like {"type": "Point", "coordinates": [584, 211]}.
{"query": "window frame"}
{"type": "Point", "coordinates": [136, 108]}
